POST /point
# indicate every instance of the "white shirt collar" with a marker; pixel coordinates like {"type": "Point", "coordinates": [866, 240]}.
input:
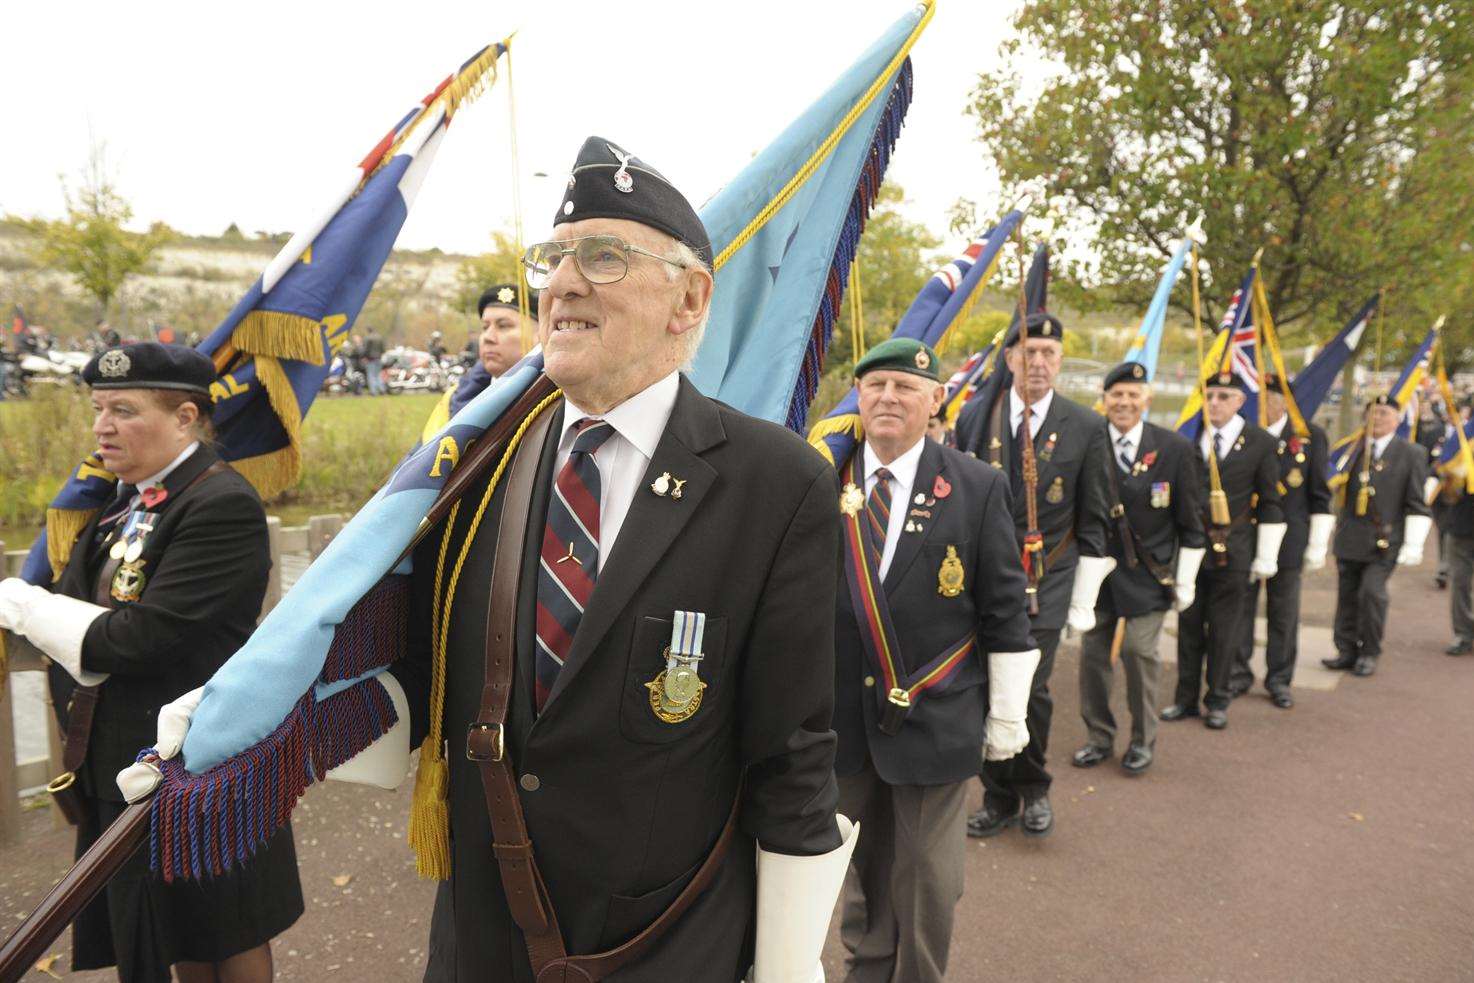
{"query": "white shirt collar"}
{"type": "Point", "coordinates": [1278, 427]}
{"type": "Point", "coordinates": [1230, 431]}
{"type": "Point", "coordinates": [158, 479]}
{"type": "Point", "coordinates": [903, 468]}
{"type": "Point", "coordinates": [1133, 435]}
{"type": "Point", "coordinates": [641, 419]}
{"type": "Point", "coordinates": [1037, 411]}
{"type": "Point", "coordinates": [1379, 444]}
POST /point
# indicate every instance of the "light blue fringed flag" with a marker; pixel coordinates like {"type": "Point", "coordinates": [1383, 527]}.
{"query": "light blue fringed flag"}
{"type": "Point", "coordinates": [1403, 393]}
{"type": "Point", "coordinates": [289, 705]}
{"type": "Point", "coordinates": [275, 348]}
{"type": "Point", "coordinates": [942, 302]}
{"type": "Point", "coordinates": [1148, 339]}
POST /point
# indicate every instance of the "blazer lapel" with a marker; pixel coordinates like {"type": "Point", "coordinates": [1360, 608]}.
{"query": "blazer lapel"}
{"type": "Point", "coordinates": [1148, 445]}
{"type": "Point", "coordinates": [928, 469]}
{"type": "Point", "coordinates": [652, 524]}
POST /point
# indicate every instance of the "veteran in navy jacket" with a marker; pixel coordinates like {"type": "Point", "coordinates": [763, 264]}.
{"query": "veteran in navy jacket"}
{"type": "Point", "coordinates": [931, 639]}
{"type": "Point", "coordinates": [1156, 538]}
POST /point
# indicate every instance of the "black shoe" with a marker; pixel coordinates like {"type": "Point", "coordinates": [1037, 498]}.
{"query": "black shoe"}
{"type": "Point", "coordinates": [1238, 687]}
{"type": "Point", "coordinates": [988, 821]}
{"type": "Point", "coordinates": [1461, 646]}
{"type": "Point", "coordinates": [1216, 719]}
{"type": "Point", "coordinates": [1090, 755]}
{"type": "Point", "coordinates": [1177, 711]}
{"type": "Point", "coordinates": [1136, 760]}
{"type": "Point", "coordinates": [1340, 662]}
{"type": "Point", "coordinates": [1281, 698]}
{"type": "Point", "coordinates": [1441, 581]}
{"type": "Point", "coordinates": [1365, 666]}
{"type": "Point", "coordinates": [1038, 817]}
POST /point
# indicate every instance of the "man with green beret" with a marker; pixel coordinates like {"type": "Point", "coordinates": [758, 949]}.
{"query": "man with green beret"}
{"type": "Point", "coordinates": [933, 659]}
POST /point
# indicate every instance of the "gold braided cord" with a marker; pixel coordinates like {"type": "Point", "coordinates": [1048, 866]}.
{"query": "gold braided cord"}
{"type": "Point", "coordinates": [830, 142]}
{"type": "Point", "coordinates": [857, 312]}
{"type": "Point", "coordinates": [1215, 482]}
{"type": "Point", "coordinates": [429, 827]}
{"type": "Point", "coordinates": [523, 307]}
{"type": "Point", "coordinates": [1270, 335]}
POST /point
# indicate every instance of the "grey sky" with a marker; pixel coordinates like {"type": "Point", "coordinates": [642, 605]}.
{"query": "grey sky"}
{"type": "Point", "coordinates": [253, 117]}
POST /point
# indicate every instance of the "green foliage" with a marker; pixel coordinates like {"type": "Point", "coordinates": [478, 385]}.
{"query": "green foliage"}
{"type": "Point", "coordinates": [91, 244]}
{"type": "Point", "coordinates": [1334, 133]}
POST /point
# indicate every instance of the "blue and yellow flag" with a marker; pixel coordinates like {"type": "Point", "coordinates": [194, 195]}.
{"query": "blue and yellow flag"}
{"type": "Point", "coordinates": [273, 350]}
{"type": "Point", "coordinates": [1313, 383]}
{"type": "Point", "coordinates": [786, 230]}
{"type": "Point", "coordinates": [1403, 393]}
{"type": "Point", "coordinates": [945, 299]}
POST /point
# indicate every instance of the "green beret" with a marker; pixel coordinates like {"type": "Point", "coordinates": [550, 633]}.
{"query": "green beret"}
{"type": "Point", "coordinates": [900, 355]}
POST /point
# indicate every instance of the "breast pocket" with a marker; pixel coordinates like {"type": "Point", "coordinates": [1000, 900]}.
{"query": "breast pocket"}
{"type": "Point", "coordinates": [644, 716]}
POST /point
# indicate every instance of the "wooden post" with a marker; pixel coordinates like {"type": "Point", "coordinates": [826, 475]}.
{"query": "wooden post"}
{"type": "Point", "coordinates": [273, 585]}
{"type": "Point", "coordinates": [9, 782]}
{"type": "Point", "coordinates": [320, 531]}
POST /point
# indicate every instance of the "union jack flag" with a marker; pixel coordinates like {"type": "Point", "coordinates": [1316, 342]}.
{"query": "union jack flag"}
{"type": "Point", "coordinates": [1239, 320]}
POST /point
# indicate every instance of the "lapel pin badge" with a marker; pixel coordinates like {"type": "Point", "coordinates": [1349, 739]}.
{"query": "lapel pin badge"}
{"type": "Point", "coordinates": [661, 485]}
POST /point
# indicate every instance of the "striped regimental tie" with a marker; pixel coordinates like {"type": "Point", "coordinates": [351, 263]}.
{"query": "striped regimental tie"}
{"type": "Point", "coordinates": [570, 555]}
{"type": "Point", "coordinates": [878, 511]}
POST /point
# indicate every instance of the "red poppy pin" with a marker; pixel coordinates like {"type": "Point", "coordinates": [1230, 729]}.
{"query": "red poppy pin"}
{"type": "Point", "coordinates": [940, 488]}
{"type": "Point", "coordinates": [1148, 459]}
{"type": "Point", "coordinates": [1294, 445]}
{"type": "Point", "coordinates": [153, 495]}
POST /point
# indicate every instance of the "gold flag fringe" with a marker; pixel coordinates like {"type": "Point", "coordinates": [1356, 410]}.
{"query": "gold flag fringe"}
{"type": "Point", "coordinates": [272, 473]}
{"type": "Point", "coordinates": [63, 526]}
{"type": "Point", "coordinates": [280, 336]}
{"type": "Point", "coordinates": [846, 423]}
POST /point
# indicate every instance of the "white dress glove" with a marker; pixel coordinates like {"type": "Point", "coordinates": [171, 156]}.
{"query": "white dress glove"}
{"type": "Point", "coordinates": [138, 780]}
{"type": "Point", "coordinates": [54, 623]}
{"type": "Point", "coordinates": [1267, 551]}
{"type": "Point", "coordinates": [1010, 680]}
{"type": "Point", "coordinates": [1185, 580]}
{"type": "Point", "coordinates": [1321, 526]}
{"type": "Point", "coordinates": [385, 762]}
{"type": "Point", "coordinates": [1090, 573]}
{"type": "Point", "coordinates": [1414, 535]}
{"type": "Point", "coordinates": [1430, 488]}
{"type": "Point", "coordinates": [795, 903]}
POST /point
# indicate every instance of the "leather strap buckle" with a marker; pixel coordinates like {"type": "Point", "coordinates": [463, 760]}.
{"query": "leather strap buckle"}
{"type": "Point", "coordinates": [1117, 510]}
{"type": "Point", "coordinates": [485, 742]}
{"type": "Point", "coordinates": [61, 782]}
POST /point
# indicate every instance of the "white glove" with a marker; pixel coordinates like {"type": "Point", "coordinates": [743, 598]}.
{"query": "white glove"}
{"type": "Point", "coordinates": [385, 762]}
{"type": "Point", "coordinates": [1089, 575]}
{"type": "Point", "coordinates": [1430, 488]}
{"type": "Point", "coordinates": [138, 780]}
{"type": "Point", "coordinates": [1414, 535]}
{"type": "Point", "coordinates": [795, 902]}
{"type": "Point", "coordinates": [1010, 680]}
{"type": "Point", "coordinates": [54, 623]}
{"type": "Point", "coordinates": [1185, 580]}
{"type": "Point", "coordinates": [1321, 526]}
{"type": "Point", "coordinates": [1267, 551]}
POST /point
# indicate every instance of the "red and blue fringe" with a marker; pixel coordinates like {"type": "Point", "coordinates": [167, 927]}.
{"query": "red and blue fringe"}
{"type": "Point", "coordinates": [871, 176]}
{"type": "Point", "coordinates": [202, 825]}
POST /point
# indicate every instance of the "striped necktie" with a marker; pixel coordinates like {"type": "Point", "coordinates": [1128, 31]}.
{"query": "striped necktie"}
{"type": "Point", "coordinates": [878, 509]}
{"type": "Point", "coordinates": [570, 555]}
{"type": "Point", "coordinates": [1125, 444]}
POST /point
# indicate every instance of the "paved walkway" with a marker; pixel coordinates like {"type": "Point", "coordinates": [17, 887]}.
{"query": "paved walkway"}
{"type": "Point", "coordinates": [1333, 842]}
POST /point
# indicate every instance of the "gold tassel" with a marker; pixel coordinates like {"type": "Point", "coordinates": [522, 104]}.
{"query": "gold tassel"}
{"type": "Point", "coordinates": [429, 815]}
{"type": "Point", "coordinates": [280, 336]}
{"type": "Point", "coordinates": [63, 526]}
{"type": "Point", "coordinates": [1363, 495]}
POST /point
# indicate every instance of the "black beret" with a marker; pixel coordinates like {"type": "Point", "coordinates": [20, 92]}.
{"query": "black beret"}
{"type": "Point", "coordinates": [1125, 372]}
{"type": "Point", "coordinates": [151, 365]}
{"type": "Point", "coordinates": [1272, 383]}
{"type": "Point", "coordinates": [1382, 399]}
{"type": "Point", "coordinates": [1041, 324]}
{"type": "Point", "coordinates": [607, 182]}
{"type": "Point", "coordinates": [505, 295]}
{"type": "Point", "coordinates": [1224, 380]}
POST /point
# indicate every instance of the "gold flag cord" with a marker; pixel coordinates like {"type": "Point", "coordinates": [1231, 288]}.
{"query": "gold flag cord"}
{"type": "Point", "coordinates": [1217, 501]}
{"type": "Point", "coordinates": [1270, 335]}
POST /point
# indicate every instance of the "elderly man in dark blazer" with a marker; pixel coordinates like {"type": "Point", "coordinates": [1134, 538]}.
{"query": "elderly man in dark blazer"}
{"type": "Point", "coordinates": [934, 663]}
{"type": "Point", "coordinates": [1383, 524]}
{"type": "Point", "coordinates": [1156, 538]}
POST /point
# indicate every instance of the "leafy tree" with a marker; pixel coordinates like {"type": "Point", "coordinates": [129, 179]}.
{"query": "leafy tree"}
{"type": "Point", "coordinates": [92, 244]}
{"type": "Point", "coordinates": [1334, 133]}
{"type": "Point", "coordinates": [502, 264]}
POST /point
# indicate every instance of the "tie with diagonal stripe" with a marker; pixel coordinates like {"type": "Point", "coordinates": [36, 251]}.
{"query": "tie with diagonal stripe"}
{"type": "Point", "coordinates": [569, 563]}
{"type": "Point", "coordinates": [878, 511]}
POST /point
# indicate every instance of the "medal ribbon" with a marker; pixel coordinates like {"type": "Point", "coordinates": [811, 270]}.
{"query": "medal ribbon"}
{"type": "Point", "coordinates": [877, 632]}
{"type": "Point", "coordinates": [687, 630]}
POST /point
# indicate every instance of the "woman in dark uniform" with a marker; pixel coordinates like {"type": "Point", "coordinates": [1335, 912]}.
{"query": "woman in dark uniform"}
{"type": "Point", "coordinates": [160, 589]}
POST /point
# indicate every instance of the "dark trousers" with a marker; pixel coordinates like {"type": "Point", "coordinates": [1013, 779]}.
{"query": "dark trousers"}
{"type": "Point", "coordinates": [1210, 630]}
{"type": "Point", "coordinates": [1361, 607]}
{"type": "Point", "coordinates": [1460, 557]}
{"type": "Point", "coordinates": [1282, 614]}
{"type": "Point", "coordinates": [1023, 776]}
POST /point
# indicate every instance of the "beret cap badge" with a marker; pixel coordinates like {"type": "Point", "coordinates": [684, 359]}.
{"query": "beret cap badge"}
{"type": "Point", "coordinates": [505, 295]}
{"type": "Point", "coordinates": [622, 180]}
{"type": "Point", "coordinates": [114, 364]}
{"type": "Point", "coordinates": [923, 360]}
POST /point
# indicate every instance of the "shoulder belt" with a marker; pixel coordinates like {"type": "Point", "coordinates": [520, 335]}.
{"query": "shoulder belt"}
{"type": "Point", "coordinates": [1136, 552]}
